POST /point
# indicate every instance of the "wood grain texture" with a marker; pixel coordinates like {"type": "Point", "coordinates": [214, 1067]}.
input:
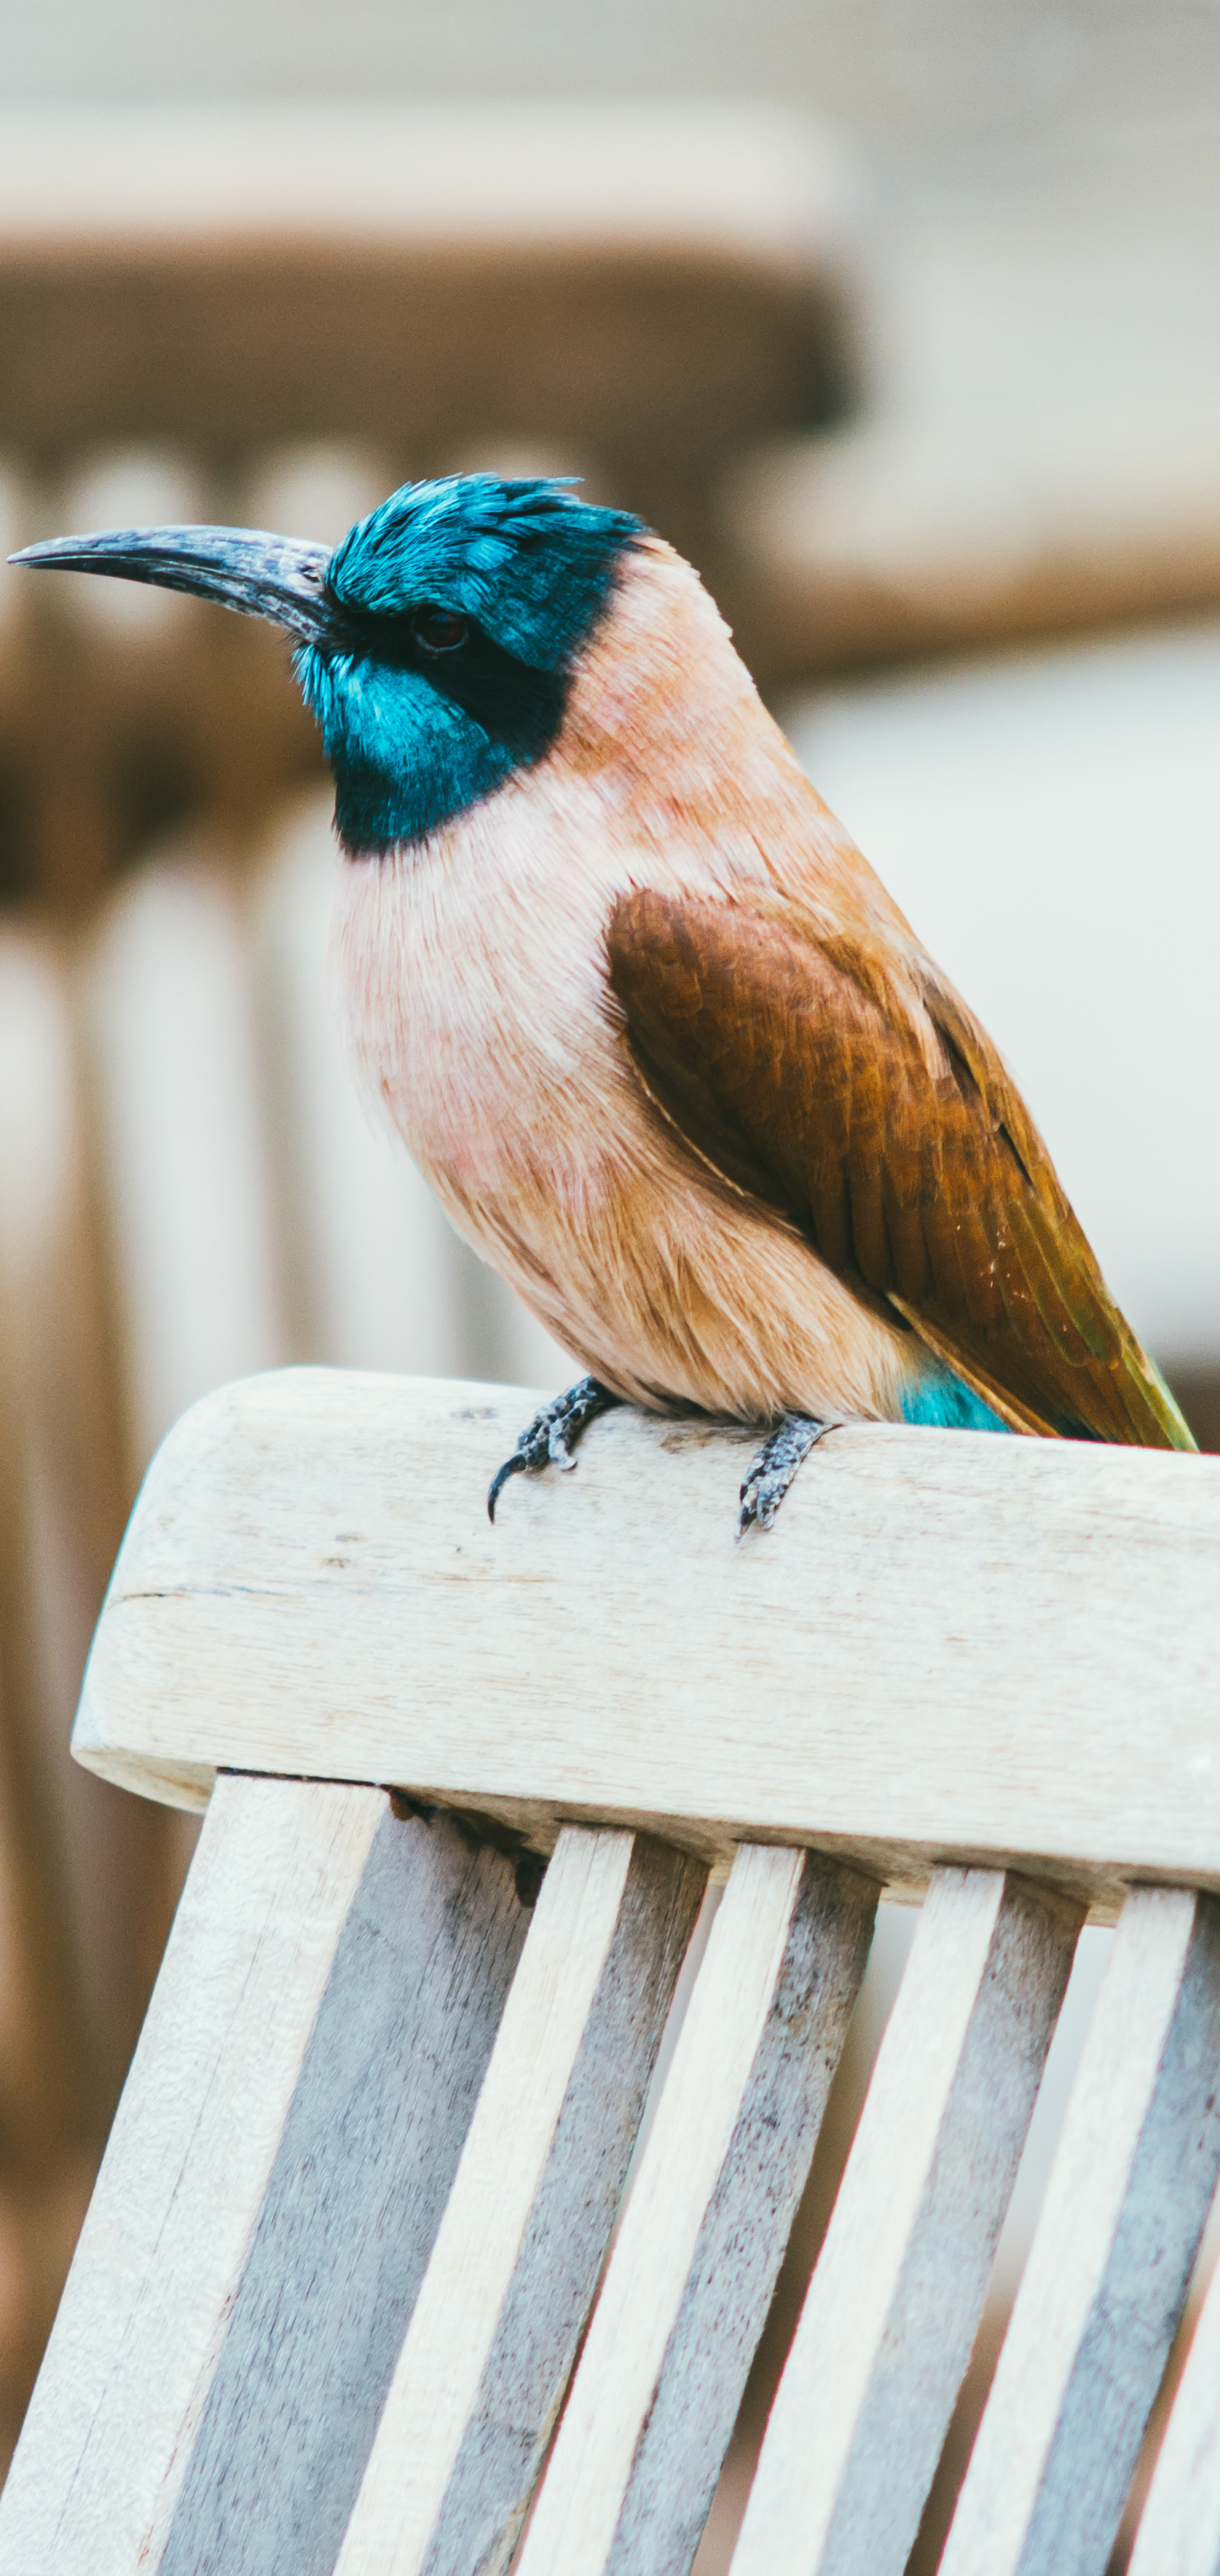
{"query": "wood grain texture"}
{"type": "Point", "coordinates": [495, 2329]}
{"type": "Point", "coordinates": [951, 1646]}
{"type": "Point", "coordinates": [1110, 2264]}
{"type": "Point", "coordinates": [890, 2319]}
{"type": "Point", "coordinates": [270, 2194]}
{"type": "Point", "coordinates": [1179, 2533]}
{"type": "Point", "coordinates": [645, 2429]}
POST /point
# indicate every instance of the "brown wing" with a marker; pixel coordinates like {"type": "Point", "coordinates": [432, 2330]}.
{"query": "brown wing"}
{"type": "Point", "coordinates": [857, 1095]}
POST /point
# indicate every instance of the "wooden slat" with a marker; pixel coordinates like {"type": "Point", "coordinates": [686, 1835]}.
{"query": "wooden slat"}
{"type": "Point", "coordinates": [1179, 2533]}
{"type": "Point", "coordinates": [173, 1076]}
{"type": "Point", "coordinates": [311, 1585]}
{"type": "Point", "coordinates": [495, 2330]}
{"type": "Point", "coordinates": [1108, 2270]}
{"type": "Point", "coordinates": [271, 2192]}
{"type": "Point", "coordinates": [686, 2295]}
{"type": "Point", "coordinates": [890, 2319]}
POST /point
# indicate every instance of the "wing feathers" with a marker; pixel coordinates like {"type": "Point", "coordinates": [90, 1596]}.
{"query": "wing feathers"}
{"type": "Point", "coordinates": [857, 1094]}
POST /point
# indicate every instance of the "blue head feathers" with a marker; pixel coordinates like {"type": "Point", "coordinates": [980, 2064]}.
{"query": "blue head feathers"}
{"type": "Point", "coordinates": [434, 646]}
{"type": "Point", "coordinates": [528, 561]}
{"type": "Point", "coordinates": [458, 609]}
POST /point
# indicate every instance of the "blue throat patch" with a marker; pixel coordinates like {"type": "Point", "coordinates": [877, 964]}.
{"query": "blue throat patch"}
{"type": "Point", "coordinates": [458, 610]}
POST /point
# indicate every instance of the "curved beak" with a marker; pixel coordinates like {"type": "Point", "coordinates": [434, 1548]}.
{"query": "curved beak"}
{"type": "Point", "coordinates": [243, 568]}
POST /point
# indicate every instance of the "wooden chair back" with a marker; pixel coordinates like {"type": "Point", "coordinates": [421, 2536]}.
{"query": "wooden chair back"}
{"type": "Point", "coordinates": [360, 2239]}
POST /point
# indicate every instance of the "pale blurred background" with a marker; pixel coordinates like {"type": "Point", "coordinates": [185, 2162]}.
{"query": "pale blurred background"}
{"type": "Point", "coordinates": [904, 321]}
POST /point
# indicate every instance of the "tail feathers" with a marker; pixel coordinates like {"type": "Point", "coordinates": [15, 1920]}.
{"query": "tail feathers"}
{"type": "Point", "coordinates": [1156, 1395]}
{"type": "Point", "coordinates": [1128, 1403]}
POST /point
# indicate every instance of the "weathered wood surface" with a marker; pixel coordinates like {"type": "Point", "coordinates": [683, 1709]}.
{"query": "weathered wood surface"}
{"type": "Point", "coordinates": [950, 1646]}
{"type": "Point", "coordinates": [495, 2329]}
{"type": "Point", "coordinates": [888, 2325]}
{"type": "Point", "coordinates": [1179, 2533]}
{"type": "Point", "coordinates": [272, 2188]}
{"type": "Point", "coordinates": [645, 2429]}
{"type": "Point", "coordinates": [1110, 2264]}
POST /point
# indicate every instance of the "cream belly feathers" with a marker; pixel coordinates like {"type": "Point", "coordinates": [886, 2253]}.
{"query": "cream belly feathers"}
{"type": "Point", "coordinates": [469, 976]}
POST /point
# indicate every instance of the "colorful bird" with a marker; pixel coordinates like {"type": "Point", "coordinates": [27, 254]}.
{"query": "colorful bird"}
{"type": "Point", "coordinates": [666, 1050]}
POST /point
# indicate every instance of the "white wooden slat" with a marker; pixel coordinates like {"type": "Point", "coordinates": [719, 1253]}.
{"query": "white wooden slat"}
{"type": "Point", "coordinates": [654, 2401]}
{"type": "Point", "coordinates": [1040, 1618]}
{"type": "Point", "coordinates": [495, 2329]}
{"type": "Point", "coordinates": [888, 2325]}
{"type": "Point", "coordinates": [271, 2191]}
{"type": "Point", "coordinates": [1179, 2533]}
{"type": "Point", "coordinates": [183, 1165]}
{"type": "Point", "coordinates": [1110, 2263]}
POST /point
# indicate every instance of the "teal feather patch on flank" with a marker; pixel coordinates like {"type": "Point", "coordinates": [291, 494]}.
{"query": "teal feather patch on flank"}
{"type": "Point", "coordinates": [944, 1403]}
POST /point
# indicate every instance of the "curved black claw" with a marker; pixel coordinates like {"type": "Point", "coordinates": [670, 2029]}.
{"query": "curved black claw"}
{"type": "Point", "coordinates": [774, 1468]}
{"type": "Point", "coordinates": [552, 1436]}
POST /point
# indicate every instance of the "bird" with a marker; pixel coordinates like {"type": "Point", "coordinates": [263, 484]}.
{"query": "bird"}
{"type": "Point", "coordinates": [669, 1054]}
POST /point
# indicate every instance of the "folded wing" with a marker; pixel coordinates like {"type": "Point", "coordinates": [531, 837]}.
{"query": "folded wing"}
{"type": "Point", "coordinates": [853, 1092]}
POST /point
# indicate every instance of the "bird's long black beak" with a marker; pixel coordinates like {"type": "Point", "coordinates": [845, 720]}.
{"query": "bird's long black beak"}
{"type": "Point", "coordinates": [243, 568]}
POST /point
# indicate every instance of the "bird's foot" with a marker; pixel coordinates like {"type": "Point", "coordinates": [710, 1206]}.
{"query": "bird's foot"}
{"type": "Point", "coordinates": [552, 1436]}
{"type": "Point", "coordinates": [774, 1468]}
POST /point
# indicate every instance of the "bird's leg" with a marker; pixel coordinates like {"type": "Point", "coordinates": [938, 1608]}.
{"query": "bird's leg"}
{"type": "Point", "coordinates": [774, 1468]}
{"type": "Point", "coordinates": [552, 1436]}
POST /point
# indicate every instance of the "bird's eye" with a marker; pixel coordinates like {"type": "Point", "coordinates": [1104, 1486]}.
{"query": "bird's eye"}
{"type": "Point", "coordinates": [439, 630]}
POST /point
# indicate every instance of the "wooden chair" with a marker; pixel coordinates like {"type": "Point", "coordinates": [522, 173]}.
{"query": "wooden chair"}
{"type": "Point", "coordinates": [361, 2186]}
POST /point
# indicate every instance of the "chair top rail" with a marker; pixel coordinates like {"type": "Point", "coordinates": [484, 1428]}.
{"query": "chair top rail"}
{"type": "Point", "coordinates": [951, 1647]}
